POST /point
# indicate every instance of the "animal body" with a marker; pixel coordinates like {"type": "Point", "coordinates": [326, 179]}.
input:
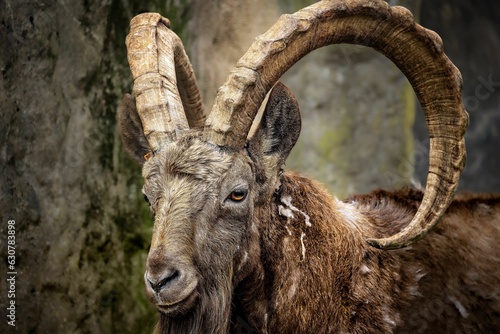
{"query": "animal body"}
{"type": "Point", "coordinates": [240, 243]}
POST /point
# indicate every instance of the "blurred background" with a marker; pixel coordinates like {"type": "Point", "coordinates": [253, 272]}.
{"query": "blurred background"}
{"type": "Point", "coordinates": [82, 227]}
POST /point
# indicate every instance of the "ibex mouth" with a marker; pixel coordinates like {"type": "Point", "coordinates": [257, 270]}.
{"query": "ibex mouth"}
{"type": "Point", "coordinates": [172, 289]}
{"type": "Point", "coordinates": [181, 307]}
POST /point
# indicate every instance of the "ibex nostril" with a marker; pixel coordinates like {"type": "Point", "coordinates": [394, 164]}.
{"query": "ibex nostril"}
{"type": "Point", "coordinates": [157, 284]}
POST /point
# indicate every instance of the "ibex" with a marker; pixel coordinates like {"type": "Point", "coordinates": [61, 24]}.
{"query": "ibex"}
{"type": "Point", "coordinates": [237, 239]}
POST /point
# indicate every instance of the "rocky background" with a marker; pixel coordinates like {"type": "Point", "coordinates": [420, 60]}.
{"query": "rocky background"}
{"type": "Point", "coordinates": [471, 34]}
{"type": "Point", "coordinates": [82, 229]}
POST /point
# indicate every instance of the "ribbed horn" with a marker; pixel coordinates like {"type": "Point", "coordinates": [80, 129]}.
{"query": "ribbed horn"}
{"type": "Point", "coordinates": [167, 96]}
{"type": "Point", "coordinates": [418, 53]}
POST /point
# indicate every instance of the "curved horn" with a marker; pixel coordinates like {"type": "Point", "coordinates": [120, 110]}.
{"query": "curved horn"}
{"type": "Point", "coordinates": [164, 81]}
{"type": "Point", "coordinates": [418, 53]}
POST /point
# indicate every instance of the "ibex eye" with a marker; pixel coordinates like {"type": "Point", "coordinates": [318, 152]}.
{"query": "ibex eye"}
{"type": "Point", "coordinates": [238, 195]}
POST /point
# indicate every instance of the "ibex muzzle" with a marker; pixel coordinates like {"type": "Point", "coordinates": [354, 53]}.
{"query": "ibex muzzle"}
{"type": "Point", "coordinates": [170, 283]}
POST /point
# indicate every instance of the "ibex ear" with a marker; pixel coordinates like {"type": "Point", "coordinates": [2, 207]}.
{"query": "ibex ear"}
{"type": "Point", "coordinates": [131, 131]}
{"type": "Point", "coordinates": [279, 129]}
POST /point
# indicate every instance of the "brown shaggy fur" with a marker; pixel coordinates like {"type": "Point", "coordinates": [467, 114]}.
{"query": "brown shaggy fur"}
{"type": "Point", "coordinates": [446, 283]}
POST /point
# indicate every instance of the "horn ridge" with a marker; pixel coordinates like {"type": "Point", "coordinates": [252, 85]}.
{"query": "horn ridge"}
{"type": "Point", "coordinates": [167, 96]}
{"type": "Point", "coordinates": [418, 53]}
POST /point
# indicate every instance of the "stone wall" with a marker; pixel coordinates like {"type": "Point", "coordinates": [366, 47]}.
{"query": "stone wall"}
{"type": "Point", "coordinates": [82, 227]}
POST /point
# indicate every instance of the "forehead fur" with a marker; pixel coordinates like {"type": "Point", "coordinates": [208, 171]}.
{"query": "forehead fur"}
{"type": "Point", "coordinates": [191, 157]}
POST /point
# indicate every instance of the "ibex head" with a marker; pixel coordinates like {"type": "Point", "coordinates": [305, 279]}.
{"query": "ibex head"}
{"type": "Point", "coordinates": [205, 180]}
{"type": "Point", "coordinates": [203, 198]}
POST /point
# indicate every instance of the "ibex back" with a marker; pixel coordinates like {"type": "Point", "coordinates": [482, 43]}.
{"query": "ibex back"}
{"type": "Point", "coordinates": [237, 240]}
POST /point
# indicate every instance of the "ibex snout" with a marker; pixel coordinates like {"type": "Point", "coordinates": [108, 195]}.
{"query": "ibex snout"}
{"type": "Point", "coordinates": [170, 283]}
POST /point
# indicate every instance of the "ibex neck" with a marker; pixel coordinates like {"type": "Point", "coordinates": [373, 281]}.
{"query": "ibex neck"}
{"type": "Point", "coordinates": [316, 264]}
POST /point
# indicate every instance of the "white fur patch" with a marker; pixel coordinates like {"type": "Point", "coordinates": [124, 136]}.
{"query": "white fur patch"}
{"type": "Point", "coordinates": [389, 320]}
{"type": "Point", "coordinates": [293, 289]}
{"type": "Point", "coordinates": [413, 290]}
{"type": "Point", "coordinates": [288, 214]}
{"type": "Point", "coordinates": [243, 260]}
{"type": "Point", "coordinates": [286, 245]}
{"type": "Point", "coordinates": [364, 269]}
{"type": "Point", "coordinates": [485, 208]}
{"type": "Point", "coordinates": [285, 212]}
{"type": "Point", "coordinates": [349, 213]}
{"type": "Point", "coordinates": [461, 309]}
{"type": "Point", "coordinates": [287, 201]}
{"type": "Point", "coordinates": [420, 273]}
{"type": "Point", "coordinates": [303, 246]}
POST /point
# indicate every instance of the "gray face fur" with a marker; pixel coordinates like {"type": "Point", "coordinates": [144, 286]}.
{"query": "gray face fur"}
{"type": "Point", "coordinates": [203, 199]}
